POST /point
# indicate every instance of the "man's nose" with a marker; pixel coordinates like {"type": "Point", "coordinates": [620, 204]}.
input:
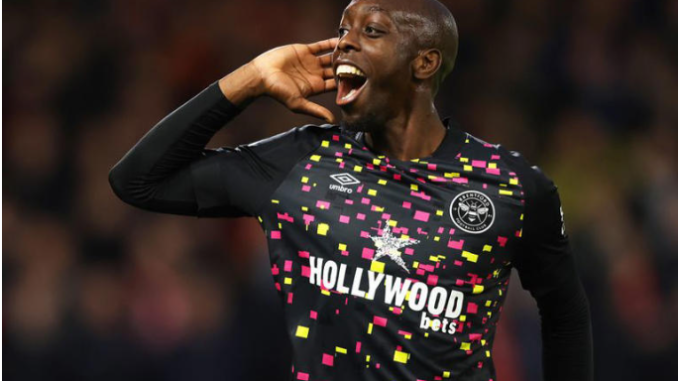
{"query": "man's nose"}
{"type": "Point", "coordinates": [348, 42]}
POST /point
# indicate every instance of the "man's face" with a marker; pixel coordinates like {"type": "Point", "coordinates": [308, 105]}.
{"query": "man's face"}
{"type": "Point", "coordinates": [370, 42]}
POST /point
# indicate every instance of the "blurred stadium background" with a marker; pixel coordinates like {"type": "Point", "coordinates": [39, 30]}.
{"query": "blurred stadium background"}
{"type": "Point", "coordinates": [94, 289]}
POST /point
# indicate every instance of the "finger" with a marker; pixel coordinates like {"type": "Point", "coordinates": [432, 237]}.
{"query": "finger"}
{"type": "Point", "coordinates": [325, 59]}
{"type": "Point", "coordinates": [324, 45]}
{"type": "Point", "coordinates": [304, 106]}
{"type": "Point", "coordinates": [330, 84]}
{"type": "Point", "coordinates": [328, 73]}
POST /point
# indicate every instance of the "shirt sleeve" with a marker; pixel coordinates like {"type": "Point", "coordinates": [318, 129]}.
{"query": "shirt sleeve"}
{"type": "Point", "coordinates": [170, 171]}
{"type": "Point", "coordinates": [547, 270]}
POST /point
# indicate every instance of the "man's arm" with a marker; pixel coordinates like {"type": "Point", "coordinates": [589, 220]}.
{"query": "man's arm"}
{"type": "Point", "coordinates": [170, 171]}
{"type": "Point", "coordinates": [547, 269]}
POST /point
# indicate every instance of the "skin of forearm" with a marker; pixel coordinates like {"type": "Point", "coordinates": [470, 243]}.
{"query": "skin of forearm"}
{"type": "Point", "coordinates": [242, 86]}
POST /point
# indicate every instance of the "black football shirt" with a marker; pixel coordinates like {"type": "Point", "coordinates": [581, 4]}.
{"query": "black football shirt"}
{"type": "Point", "coordinates": [387, 269]}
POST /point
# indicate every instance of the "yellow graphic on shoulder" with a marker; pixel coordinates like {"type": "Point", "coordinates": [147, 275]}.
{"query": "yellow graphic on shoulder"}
{"type": "Point", "coordinates": [315, 158]}
{"type": "Point", "coordinates": [357, 168]}
{"type": "Point", "coordinates": [401, 357]}
{"type": "Point", "coordinates": [302, 332]}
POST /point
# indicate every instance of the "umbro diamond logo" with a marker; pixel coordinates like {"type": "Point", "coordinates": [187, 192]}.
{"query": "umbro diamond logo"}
{"type": "Point", "coordinates": [344, 179]}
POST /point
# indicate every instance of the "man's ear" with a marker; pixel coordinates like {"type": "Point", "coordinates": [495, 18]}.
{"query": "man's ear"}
{"type": "Point", "coordinates": [427, 63]}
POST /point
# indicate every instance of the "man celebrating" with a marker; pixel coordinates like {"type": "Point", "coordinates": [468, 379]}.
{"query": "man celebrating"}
{"type": "Point", "coordinates": [391, 235]}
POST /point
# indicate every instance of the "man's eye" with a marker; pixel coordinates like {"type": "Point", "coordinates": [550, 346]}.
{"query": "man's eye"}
{"type": "Point", "coordinates": [371, 30]}
{"type": "Point", "coordinates": [342, 31]}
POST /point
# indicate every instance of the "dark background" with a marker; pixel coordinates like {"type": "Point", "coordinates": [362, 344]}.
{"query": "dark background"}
{"type": "Point", "coordinates": [94, 289]}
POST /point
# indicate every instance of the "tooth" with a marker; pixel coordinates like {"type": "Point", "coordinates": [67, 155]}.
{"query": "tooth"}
{"type": "Point", "coordinates": [349, 69]}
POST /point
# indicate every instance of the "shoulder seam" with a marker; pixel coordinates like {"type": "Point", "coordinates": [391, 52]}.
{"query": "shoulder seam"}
{"type": "Point", "coordinates": [326, 127]}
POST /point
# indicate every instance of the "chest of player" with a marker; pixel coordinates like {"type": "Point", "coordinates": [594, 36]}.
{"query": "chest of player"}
{"type": "Point", "coordinates": [445, 223]}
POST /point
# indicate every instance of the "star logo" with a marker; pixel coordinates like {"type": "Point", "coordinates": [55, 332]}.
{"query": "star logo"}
{"type": "Point", "coordinates": [389, 245]}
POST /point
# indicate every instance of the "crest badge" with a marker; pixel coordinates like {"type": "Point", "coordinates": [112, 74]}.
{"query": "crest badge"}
{"type": "Point", "coordinates": [472, 212]}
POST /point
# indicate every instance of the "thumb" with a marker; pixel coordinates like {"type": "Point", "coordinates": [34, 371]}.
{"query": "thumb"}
{"type": "Point", "coordinates": [304, 106]}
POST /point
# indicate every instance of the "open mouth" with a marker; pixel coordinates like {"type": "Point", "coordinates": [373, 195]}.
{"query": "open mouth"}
{"type": "Point", "coordinates": [350, 82]}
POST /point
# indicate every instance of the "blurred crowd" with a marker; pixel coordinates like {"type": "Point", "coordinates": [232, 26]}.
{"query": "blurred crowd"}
{"type": "Point", "coordinates": [94, 289]}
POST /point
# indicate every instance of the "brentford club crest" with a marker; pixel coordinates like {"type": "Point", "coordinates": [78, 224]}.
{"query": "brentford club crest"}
{"type": "Point", "coordinates": [472, 212]}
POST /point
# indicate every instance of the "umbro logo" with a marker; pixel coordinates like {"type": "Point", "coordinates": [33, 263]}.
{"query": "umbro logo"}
{"type": "Point", "coordinates": [344, 179]}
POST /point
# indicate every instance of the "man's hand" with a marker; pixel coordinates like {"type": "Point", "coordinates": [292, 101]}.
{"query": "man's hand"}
{"type": "Point", "coordinates": [289, 74]}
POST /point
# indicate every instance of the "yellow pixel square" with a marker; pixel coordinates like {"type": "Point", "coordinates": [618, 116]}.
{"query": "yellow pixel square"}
{"type": "Point", "coordinates": [323, 228]}
{"type": "Point", "coordinates": [302, 331]}
{"type": "Point", "coordinates": [400, 357]}
{"type": "Point", "coordinates": [377, 266]}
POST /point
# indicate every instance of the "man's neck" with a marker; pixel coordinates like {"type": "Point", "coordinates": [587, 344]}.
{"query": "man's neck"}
{"type": "Point", "coordinates": [415, 133]}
